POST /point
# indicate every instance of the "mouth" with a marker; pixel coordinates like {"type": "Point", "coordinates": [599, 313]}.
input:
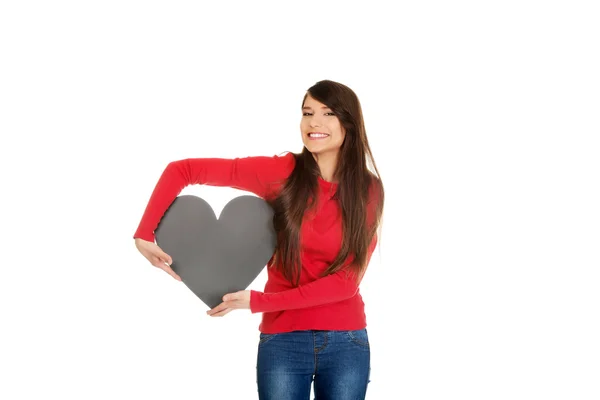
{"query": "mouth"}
{"type": "Point", "coordinates": [317, 135]}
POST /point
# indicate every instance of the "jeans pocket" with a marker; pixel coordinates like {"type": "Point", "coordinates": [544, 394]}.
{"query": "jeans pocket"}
{"type": "Point", "coordinates": [359, 337]}
{"type": "Point", "coordinates": [265, 337]}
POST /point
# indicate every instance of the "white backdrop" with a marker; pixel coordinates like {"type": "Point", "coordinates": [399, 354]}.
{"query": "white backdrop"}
{"type": "Point", "coordinates": [483, 119]}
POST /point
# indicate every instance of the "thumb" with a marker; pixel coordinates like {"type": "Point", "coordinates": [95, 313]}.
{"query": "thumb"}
{"type": "Point", "coordinates": [167, 258]}
{"type": "Point", "coordinates": [230, 296]}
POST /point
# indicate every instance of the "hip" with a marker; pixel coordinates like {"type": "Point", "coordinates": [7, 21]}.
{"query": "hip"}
{"type": "Point", "coordinates": [312, 341]}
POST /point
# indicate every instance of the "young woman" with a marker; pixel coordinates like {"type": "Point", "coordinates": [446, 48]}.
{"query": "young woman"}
{"type": "Point", "coordinates": [328, 207]}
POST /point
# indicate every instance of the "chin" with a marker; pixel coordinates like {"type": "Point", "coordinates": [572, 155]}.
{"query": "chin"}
{"type": "Point", "coordinates": [313, 149]}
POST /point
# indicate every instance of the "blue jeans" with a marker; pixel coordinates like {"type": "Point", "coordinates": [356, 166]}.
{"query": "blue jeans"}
{"type": "Point", "coordinates": [339, 363]}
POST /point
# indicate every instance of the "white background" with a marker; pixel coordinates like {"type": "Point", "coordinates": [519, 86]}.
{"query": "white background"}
{"type": "Point", "coordinates": [484, 121]}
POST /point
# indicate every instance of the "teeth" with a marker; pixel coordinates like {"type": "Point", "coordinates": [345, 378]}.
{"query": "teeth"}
{"type": "Point", "coordinates": [317, 135]}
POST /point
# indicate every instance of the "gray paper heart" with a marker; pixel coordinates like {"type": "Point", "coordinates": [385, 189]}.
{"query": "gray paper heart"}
{"type": "Point", "coordinates": [214, 256]}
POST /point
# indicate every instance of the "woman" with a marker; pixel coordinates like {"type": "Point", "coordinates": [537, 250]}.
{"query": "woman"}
{"type": "Point", "coordinates": [328, 207]}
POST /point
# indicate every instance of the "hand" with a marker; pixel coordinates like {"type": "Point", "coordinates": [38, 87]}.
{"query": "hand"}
{"type": "Point", "coordinates": [231, 301]}
{"type": "Point", "coordinates": [156, 256]}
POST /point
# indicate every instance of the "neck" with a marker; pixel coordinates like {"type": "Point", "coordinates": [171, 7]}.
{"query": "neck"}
{"type": "Point", "coordinates": [327, 163]}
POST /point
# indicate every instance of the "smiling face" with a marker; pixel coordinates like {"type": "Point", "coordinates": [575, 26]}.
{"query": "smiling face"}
{"type": "Point", "coordinates": [321, 130]}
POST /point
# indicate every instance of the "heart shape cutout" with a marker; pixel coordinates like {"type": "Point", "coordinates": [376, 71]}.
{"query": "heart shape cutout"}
{"type": "Point", "coordinates": [214, 256]}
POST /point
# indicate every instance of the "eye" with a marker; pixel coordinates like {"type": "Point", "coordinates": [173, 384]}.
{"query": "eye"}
{"type": "Point", "coordinates": [306, 113]}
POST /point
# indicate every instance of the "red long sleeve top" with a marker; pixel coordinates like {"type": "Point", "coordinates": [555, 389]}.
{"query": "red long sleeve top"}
{"type": "Point", "coordinates": [324, 303]}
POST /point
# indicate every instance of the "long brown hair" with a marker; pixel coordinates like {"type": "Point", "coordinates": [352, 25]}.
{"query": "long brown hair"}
{"type": "Point", "coordinates": [354, 182]}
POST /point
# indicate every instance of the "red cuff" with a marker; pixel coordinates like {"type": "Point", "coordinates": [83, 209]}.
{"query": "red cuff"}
{"type": "Point", "coordinates": [255, 301]}
{"type": "Point", "coordinates": [149, 236]}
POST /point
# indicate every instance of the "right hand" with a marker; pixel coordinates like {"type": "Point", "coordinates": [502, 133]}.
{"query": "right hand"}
{"type": "Point", "coordinates": [156, 256]}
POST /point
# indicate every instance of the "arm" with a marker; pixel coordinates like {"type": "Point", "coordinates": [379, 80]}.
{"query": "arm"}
{"type": "Point", "coordinates": [338, 286]}
{"type": "Point", "coordinates": [253, 174]}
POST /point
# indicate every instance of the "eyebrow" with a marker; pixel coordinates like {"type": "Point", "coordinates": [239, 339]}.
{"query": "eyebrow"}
{"type": "Point", "coordinates": [308, 108]}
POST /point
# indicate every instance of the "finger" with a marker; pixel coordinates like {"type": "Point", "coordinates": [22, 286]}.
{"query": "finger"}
{"type": "Point", "coordinates": [224, 305]}
{"type": "Point", "coordinates": [216, 309]}
{"type": "Point", "coordinates": [166, 258]}
{"type": "Point", "coordinates": [160, 264]}
{"type": "Point", "coordinates": [222, 313]}
{"type": "Point", "coordinates": [171, 272]}
{"type": "Point", "coordinates": [157, 262]}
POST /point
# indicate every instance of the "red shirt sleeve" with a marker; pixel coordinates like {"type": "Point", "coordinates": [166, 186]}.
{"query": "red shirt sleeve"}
{"type": "Point", "coordinates": [372, 203]}
{"type": "Point", "coordinates": [338, 286]}
{"type": "Point", "coordinates": [253, 174]}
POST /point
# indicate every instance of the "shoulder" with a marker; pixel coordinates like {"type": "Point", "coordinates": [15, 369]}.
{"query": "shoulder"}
{"type": "Point", "coordinates": [375, 200]}
{"type": "Point", "coordinates": [283, 164]}
{"type": "Point", "coordinates": [271, 167]}
{"type": "Point", "coordinates": [277, 168]}
{"type": "Point", "coordinates": [375, 189]}
{"type": "Point", "coordinates": [286, 160]}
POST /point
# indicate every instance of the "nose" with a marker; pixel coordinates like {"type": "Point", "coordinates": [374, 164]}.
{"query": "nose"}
{"type": "Point", "coordinates": [314, 121]}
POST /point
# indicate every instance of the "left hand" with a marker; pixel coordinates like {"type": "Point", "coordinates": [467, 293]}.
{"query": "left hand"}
{"type": "Point", "coordinates": [231, 301]}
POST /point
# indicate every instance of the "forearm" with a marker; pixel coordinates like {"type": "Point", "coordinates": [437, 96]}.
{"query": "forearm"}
{"type": "Point", "coordinates": [253, 174]}
{"type": "Point", "coordinates": [332, 288]}
{"type": "Point", "coordinates": [336, 287]}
